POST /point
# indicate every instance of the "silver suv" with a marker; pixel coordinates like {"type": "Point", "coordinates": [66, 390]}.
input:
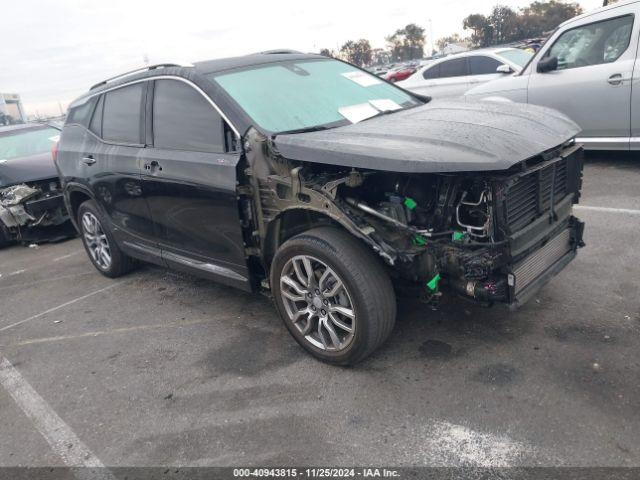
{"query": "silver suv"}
{"type": "Point", "coordinates": [585, 70]}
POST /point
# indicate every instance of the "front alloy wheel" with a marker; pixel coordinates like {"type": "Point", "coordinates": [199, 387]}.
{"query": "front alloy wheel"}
{"type": "Point", "coordinates": [334, 296]}
{"type": "Point", "coordinates": [96, 241]}
{"type": "Point", "coordinates": [317, 303]}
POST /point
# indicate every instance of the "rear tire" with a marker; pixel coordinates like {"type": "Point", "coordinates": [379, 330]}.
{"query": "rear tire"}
{"type": "Point", "coordinates": [100, 244]}
{"type": "Point", "coordinates": [333, 295]}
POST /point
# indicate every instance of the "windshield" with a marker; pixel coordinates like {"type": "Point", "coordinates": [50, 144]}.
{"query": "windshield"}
{"type": "Point", "coordinates": [286, 96]}
{"type": "Point", "coordinates": [24, 144]}
{"type": "Point", "coordinates": [517, 56]}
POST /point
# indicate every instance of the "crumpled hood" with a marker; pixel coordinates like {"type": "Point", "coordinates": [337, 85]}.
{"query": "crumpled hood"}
{"type": "Point", "coordinates": [442, 136]}
{"type": "Point", "coordinates": [27, 169]}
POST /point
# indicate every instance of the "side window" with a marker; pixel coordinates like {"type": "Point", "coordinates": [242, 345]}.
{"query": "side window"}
{"type": "Point", "coordinates": [80, 113]}
{"type": "Point", "coordinates": [454, 68]}
{"type": "Point", "coordinates": [431, 73]}
{"type": "Point", "coordinates": [96, 121]}
{"type": "Point", "coordinates": [593, 44]}
{"type": "Point", "coordinates": [480, 65]}
{"type": "Point", "coordinates": [184, 120]}
{"type": "Point", "coordinates": [121, 117]}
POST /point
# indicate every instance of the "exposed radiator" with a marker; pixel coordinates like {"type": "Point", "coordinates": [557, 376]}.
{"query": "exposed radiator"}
{"type": "Point", "coordinates": [530, 196]}
{"type": "Point", "coordinates": [535, 265]}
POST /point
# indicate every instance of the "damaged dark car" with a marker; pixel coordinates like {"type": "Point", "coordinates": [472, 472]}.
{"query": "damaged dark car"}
{"type": "Point", "coordinates": [32, 208]}
{"type": "Point", "coordinates": [324, 185]}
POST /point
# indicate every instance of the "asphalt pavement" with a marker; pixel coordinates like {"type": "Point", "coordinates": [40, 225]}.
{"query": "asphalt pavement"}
{"type": "Point", "coordinates": [160, 368]}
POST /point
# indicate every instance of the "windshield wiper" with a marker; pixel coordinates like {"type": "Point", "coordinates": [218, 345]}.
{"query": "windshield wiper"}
{"type": "Point", "coordinates": [315, 128]}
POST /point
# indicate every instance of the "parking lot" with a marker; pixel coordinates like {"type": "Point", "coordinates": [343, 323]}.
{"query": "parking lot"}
{"type": "Point", "coordinates": [159, 368]}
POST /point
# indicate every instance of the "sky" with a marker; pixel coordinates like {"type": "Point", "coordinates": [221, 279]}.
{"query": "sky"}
{"type": "Point", "coordinates": [54, 50]}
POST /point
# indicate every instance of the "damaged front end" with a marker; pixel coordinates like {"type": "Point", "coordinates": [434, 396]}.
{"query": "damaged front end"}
{"type": "Point", "coordinates": [33, 212]}
{"type": "Point", "coordinates": [492, 236]}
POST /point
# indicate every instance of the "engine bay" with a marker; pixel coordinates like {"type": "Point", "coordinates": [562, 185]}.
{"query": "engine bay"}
{"type": "Point", "coordinates": [468, 232]}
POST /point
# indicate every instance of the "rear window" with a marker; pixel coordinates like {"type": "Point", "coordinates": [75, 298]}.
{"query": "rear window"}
{"type": "Point", "coordinates": [25, 144]}
{"type": "Point", "coordinates": [80, 114]}
{"type": "Point", "coordinates": [122, 114]}
{"type": "Point", "coordinates": [433, 72]}
{"type": "Point", "coordinates": [96, 122]}
{"type": "Point", "coordinates": [454, 68]}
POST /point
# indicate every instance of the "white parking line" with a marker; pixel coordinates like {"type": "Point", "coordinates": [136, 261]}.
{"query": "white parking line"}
{"type": "Point", "coordinates": [64, 257]}
{"type": "Point", "coordinates": [44, 260]}
{"type": "Point", "coordinates": [65, 443]}
{"type": "Point", "coordinates": [607, 209]}
{"type": "Point", "coordinates": [114, 331]}
{"type": "Point", "coordinates": [66, 304]}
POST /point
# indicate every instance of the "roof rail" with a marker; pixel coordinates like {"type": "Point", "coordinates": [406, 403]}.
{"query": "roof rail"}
{"type": "Point", "coordinates": [279, 52]}
{"type": "Point", "coordinates": [142, 69]}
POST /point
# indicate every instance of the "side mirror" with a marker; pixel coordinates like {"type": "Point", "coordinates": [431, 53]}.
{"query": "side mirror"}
{"type": "Point", "coordinates": [547, 64]}
{"type": "Point", "coordinates": [504, 69]}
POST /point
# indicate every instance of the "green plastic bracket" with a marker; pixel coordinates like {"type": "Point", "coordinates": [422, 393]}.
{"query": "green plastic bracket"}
{"type": "Point", "coordinates": [458, 236]}
{"type": "Point", "coordinates": [410, 203]}
{"type": "Point", "coordinates": [433, 283]}
{"type": "Point", "coordinates": [418, 240]}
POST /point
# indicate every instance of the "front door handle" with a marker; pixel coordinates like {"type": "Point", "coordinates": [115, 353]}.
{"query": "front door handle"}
{"type": "Point", "coordinates": [615, 79]}
{"type": "Point", "coordinates": [88, 160]}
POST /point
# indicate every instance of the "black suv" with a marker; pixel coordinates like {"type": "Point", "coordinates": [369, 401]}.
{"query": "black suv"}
{"type": "Point", "coordinates": [324, 184]}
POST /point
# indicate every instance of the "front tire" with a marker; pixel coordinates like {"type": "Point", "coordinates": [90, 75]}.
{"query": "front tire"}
{"type": "Point", "coordinates": [100, 244]}
{"type": "Point", "coordinates": [333, 295]}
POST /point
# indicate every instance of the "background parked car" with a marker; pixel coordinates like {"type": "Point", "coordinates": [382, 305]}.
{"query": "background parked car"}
{"type": "Point", "coordinates": [585, 70]}
{"type": "Point", "coordinates": [31, 203]}
{"type": "Point", "coordinates": [400, 73]}
{"type": "Point", "coordinates": [379, 70]}
{"type": "Point", "coordinates": [453, 75]}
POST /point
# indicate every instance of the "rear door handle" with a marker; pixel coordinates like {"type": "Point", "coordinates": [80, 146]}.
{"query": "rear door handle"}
{"type": "Point", "coordinates": [615, 79]}
{"type": "Point", "coordinates": [152, 165]}
{"type": "Point", "coordinates": [88, 160]}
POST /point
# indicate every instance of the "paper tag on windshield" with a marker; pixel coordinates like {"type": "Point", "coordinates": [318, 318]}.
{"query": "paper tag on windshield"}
{"type": "Point", "coordinates": [361, 78]}
{"type": "Point", "coordinates": [385, 105]}
{"type": "Point", "coordinates": [357, 113]}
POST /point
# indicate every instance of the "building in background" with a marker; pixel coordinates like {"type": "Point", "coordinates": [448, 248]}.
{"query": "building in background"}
{"type": "Point", "coordinates": [452, 48]}
{"type": "Point", "coordinates": [11, 110]}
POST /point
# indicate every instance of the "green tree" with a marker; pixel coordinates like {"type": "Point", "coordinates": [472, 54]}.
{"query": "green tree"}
{"type": "Point", "coordinates": [481, 29]}
{"type": "Point", "coordinates": [407, 43]}
{"type": "Point", "coordinates": [327, 53]}
{"type": "Point", "coordinates": [505, 25]}
{"type": "Point", "coordinates": [542, 17]}
{"type": "Point", "coordinates": [357, 52]}
{"type": "Point", "coordinates": [504, 21]}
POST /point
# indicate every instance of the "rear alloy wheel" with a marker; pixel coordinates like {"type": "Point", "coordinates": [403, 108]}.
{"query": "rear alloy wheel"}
{"type": "Point", "coordinates": [96, 241]}
{"type": "Point", "coordinates": [101, 246]}
{"type": "Point", "coordinates": [334, 296]}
